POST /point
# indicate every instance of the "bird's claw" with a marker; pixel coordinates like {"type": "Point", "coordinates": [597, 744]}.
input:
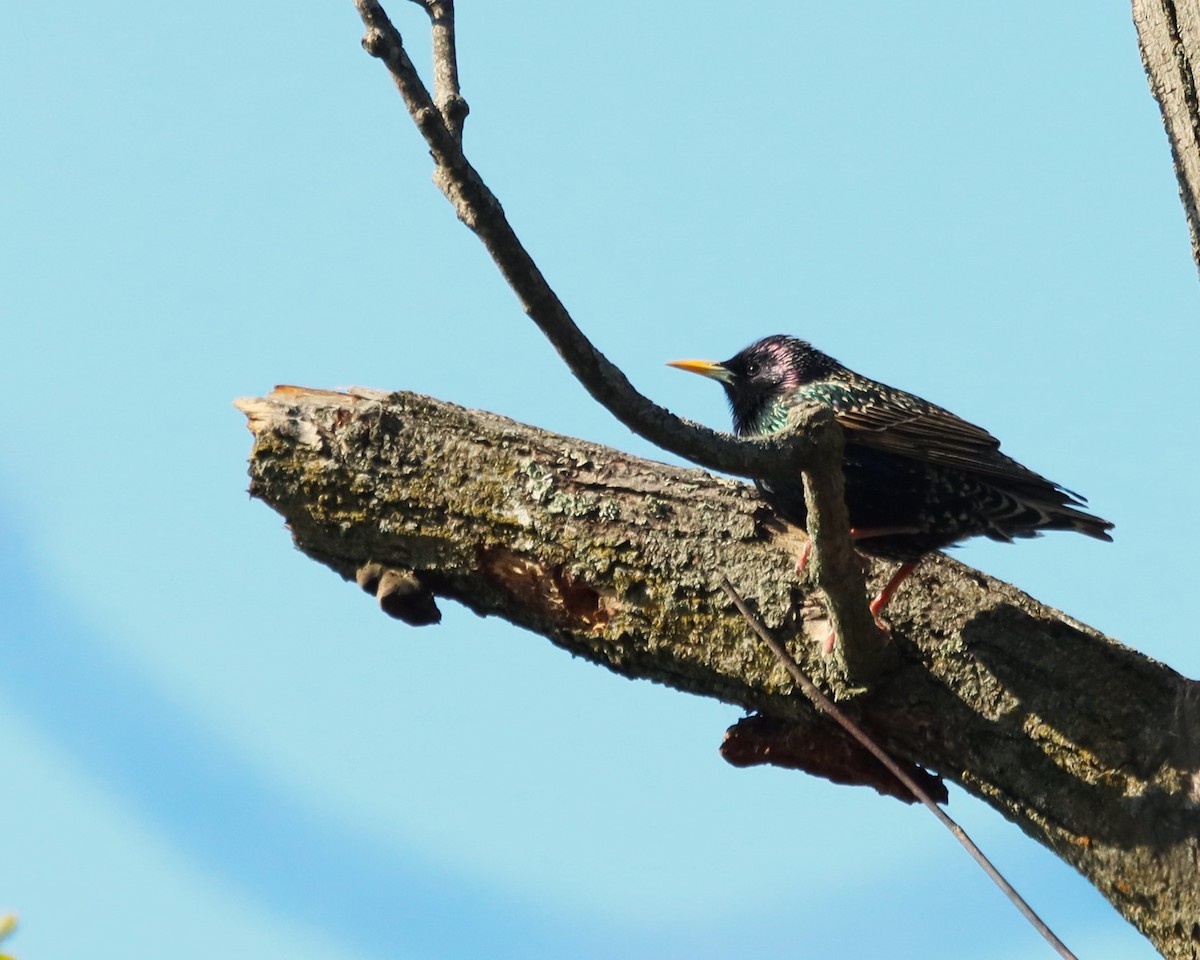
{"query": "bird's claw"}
{"type": "Point", "coordinates": [802, 557]}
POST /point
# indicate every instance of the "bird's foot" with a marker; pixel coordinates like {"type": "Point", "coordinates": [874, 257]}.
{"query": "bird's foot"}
{"type": "Point", "coordinates": [876, 607]}
{"type": "Point", "coordinates": [889, 591]}
{"type": "Point", "coordinates": [829, 642]}
{"type": "Point", "coordinates": [802, 557]}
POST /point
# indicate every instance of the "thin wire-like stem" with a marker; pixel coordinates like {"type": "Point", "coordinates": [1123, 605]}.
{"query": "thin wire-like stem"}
{"type": "Point", "coordinates": [823, 703]}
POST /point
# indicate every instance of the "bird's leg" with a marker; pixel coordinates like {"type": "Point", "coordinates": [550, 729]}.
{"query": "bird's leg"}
{"type": "Point", "coordinates": [888, 591]}
{"type": "Point", "coordinates": [877, 605]}
{"type": "Point", "coordinates": [805, 553]}
{"type": "Point", "coordinates": [802, 557]}
{"type": "Point", "coordinates": [828, 643]}
{"type": "Point", "coordinates": [866, 533]}
{"type": "Point", "coordinates": [885, 595]}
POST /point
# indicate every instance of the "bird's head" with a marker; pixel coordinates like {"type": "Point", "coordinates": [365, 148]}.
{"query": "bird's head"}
{"type": "Point", "coordinates": [765, 372]}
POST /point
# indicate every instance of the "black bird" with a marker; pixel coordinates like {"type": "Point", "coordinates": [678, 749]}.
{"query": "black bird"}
{"type": "Point", "coordinates": [918, 478]}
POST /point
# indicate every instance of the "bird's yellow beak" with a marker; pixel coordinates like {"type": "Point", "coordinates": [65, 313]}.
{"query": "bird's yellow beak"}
{"type": "Point", "coordinates": [706, 368]}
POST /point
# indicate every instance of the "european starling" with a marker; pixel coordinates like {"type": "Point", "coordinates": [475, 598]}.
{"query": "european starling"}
{"type": "Point", "coordinates": [918, 478]}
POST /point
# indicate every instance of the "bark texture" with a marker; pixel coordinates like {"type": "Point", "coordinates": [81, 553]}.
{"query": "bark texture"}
{"type": "Point", "coordinates": [1090, 747]}
{"type": "Point", "coordinates": [1169, 38]}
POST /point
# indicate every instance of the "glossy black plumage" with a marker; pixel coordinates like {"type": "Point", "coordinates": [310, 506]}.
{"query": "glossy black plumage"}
{"type": "Point", "coordinates": [918, 478]}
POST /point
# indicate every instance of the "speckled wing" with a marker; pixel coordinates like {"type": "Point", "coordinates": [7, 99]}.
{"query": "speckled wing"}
{"type": "Point", "coordinates": [890, 420]}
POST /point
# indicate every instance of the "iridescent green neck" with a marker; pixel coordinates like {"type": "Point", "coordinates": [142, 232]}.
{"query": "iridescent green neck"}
{"type": "Point", "coordinates": [773, 415]}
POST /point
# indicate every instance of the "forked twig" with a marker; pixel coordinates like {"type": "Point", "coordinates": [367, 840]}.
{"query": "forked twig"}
{"type": "Point", "coordinates": [479, 209]}
{"type": "Point", "coordinates": [811, 445]}
{"type": "Point", "coordinates": [823, 703]}
{"type": "Point", "coordinates": [446, 92]}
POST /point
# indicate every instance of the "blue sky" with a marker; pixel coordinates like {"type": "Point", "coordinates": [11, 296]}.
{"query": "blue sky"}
{"type": "Point", "coordinates": [211, 744]}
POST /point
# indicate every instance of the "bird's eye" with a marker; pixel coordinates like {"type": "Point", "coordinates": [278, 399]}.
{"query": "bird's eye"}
{"type": "Point", "coordinates": [751, 369]}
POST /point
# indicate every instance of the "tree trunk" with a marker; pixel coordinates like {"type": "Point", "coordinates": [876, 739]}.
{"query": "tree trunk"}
{"type": "Point", "coordinates": [1169, 38]}
{"type": "Point", "coordinates": [1090, 747]}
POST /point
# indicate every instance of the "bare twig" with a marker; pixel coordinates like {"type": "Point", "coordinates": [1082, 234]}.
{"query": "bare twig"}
{"type": "Point", "coordinates": [822, 702]}
{"type": "Point", "coordinates": [446, 91]}
{"type": "Point", "coordinates": [807, 446]}
{"type": "Point", "coordinates": [479, 209]}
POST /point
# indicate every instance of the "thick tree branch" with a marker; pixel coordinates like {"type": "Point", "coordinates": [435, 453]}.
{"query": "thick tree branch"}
{"type": "Point", "coordinates": [1091, 748]}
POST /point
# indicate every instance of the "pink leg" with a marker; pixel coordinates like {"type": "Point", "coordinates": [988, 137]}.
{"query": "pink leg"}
{"type": "Point", "coordinates": [866, 533]}
{"type": "Point", "coordinates": [889, 590]}
{"type": "Point", "coordinates": [877, 605]}
{"type": "Point", "coordinates": [885, 595]}
{"type": "Point", "coordinates": [855, 534]}
{"type": "Point", "coordinates": [802, 557]}
{"type": "Point", "coordinates": [829, 641]}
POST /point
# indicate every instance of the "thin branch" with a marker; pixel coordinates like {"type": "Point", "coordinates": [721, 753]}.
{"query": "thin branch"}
{"type": "Point", "coordinates": [822, 702]}
{"type": "Point", "coordinates": [806, 446]}
{"type": "Point", "coordinates": [837, 569]}
{"type": "Point", "coordinates": [479, 209]}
